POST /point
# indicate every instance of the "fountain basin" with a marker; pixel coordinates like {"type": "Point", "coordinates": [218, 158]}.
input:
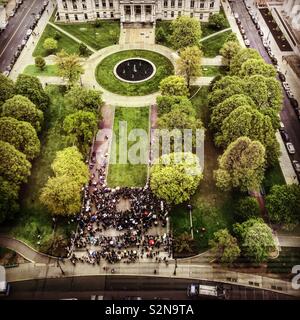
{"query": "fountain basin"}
{"type": "Point", "coordinates": [134, 70]}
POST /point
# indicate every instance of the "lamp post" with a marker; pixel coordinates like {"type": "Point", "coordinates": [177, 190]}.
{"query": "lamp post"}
{"type": "Point", "coordinates": [174, 273]}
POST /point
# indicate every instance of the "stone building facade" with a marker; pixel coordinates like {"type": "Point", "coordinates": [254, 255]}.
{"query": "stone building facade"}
{"type": "Point", "coordinates": [134, 11]}
{"type": "Point", "coordinates": [291, 9]}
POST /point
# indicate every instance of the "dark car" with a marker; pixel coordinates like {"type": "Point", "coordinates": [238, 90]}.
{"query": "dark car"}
{"type": "Point", "coordinates": [281, 77]}
{"type": "Point", "coordinates": [294, 103]}
{"type": "Point", "coordinates": [261, 33]}
{"type": "Point", "coordinates": [297, 111]}
{"type": "Point", "coordinates": [285, 136]}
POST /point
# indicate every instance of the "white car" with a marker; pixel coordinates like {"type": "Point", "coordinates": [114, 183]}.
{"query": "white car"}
{"type": "Point", "coordinates": [236, 15]}
{"type": "Point", "coordinates": [290, 147]}
{"type": "Point", "coordinates": [247, 42]}
{"type": "Point", "coordinates": [296, 165]}
{"type": "Point", "coordinates": [29, 32]}
{"type": "Point", "coordinates": [6, 73]}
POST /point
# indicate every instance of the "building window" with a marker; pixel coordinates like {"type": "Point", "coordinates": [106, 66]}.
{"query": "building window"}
{"type": "Point", "coordinates": [179, 3]}
{"type": "Point", "coordinates": [57, 16]}
{"type": "Point", "coordinates": [65, 5]}
{"type": "Point", "coordinates": [84, 5]}
{"type": "Point", "coordinates": [212, 4]}
{"type": "Point", "coordinates": [192, 4]}
{"type": "Point", "coordinates": [74, 5]}
{"type": "Point", "coordinates": [202, 5]}
{"type": "Point", "coordinates": [86, 16]}
{"type": "Point", "coordinates": [111, 4]}
{"type": "Point", "coordinates": [191, 15]}
{"type": "Point", "coordinates": [76, 17]}
{"type": "Point", "coordinates": [104, 14]}
{"type": "Point", "coordinates": [179, 13]}
{"type": "Point", "coordinates": [67, 16]}
{"type": "Point", "coordinates": [165, 14]}
{"type": "Point", "coordinates": [165, 3]}
{"type": "Point", "coordinates": [103, 4]}
{"type": "Point", "coordinates": [97, 4]}
{"type": "Point", "coordinates": [201, 16]}
{"type": "Point", "coordinates": [172, 14]}
{"type": "Point", "coordinates": [111, 14]}
{"type": "Point", "coordinates": [98, 15]}
{"type": "Point", "coordinates": [172, 3]}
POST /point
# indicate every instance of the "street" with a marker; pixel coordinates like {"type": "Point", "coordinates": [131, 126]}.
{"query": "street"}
{"type": "Point", "coordinates": [122, 287]}
{"type": "Point", "coordinates": [16, 30]}
{"type": "Point", "coordinates": [288, 116]}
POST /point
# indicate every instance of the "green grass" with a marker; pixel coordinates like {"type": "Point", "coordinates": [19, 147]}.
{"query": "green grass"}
{"type": "Point", "coordinates": [106, 35]}
{"type": "Point", "coordinates": [273, 176]}
{"type": "Point", "coordinates": [211, 47]}
{"type": "Point", "coordinates": [50, 70]}
{"type": "Point", "coordinates": [212, 208]}
{"type": "Point", "coordinates": [34, 218]}
{"type": "Point", "coordinates": [106, 78]}
{"type": "Point", "coordinates": [213, 71]}
{"type": "Point", "coordinates": [130, 175]}
{"type": "Point", "coordinates": [65, 42]}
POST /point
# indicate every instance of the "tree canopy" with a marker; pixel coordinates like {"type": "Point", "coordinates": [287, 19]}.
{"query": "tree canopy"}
{"type": "Point", "coordinates": [14, 167]}
{"type": "Point", "coordinates": [247, 208]}
{"type": "Point", "coordinates": [165, 103]}
{"type": "Point", "coordinates": [174, 86]}
{"type": "Point", "coordinates": [186, 32]}
{"type": "Point", "coordinates": [175, 177]}
{"type": "Point", "coordinates": [283, 204]}
{"type": "Point", "coordinates": [217, 21]}
{"type": "Point", "coordinates": [50, 44]}
{"type": "Point", "coordinates": [253, 67]}
{"type": "Point", "coordinates": [81, 126]}
{"type": "Point", "coordinates": [21, 108]}
{"type": "Point", "coordinates": [242, 56]}
{"type": "Point", "coordinates": [21, 135]}
{"type": "Point", "coordinates": [241, 165]}
{"type": "Point", "coordinates": [31, 87]}
{"type": "Point", "coordinates": [225, 246]}
{"type": "Point", "coordinates": [8, 199]}
{"type": "Point", "coordinates": [230, 49]}
{"type": "Point", "coordinates": [7, 88]}
{"type": "Point", "coordinates": [189, 63]}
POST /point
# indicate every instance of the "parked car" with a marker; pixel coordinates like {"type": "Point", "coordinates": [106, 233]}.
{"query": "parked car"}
{"type": "Point", "coordinates": [257, 25]}
{"type": "Point", "coordinates": [297, 111]}
{"type": "Point", "coordinates": [260, 33]}
{"type": "Point", "coordinates": [247, 42]}
{"type": "Point", "coordinates": [6, 73]}
{"type": "Point", "coordinates": [281, 76]}
{"type": "Point", "coordinates": [290, 148]}
{"type": "Point", "coordinates": [296, 165]}
{"type": "Point", "coordinates": [285, 135]}
{"type": "Point", "coordinates": [289, 94]}
{"type": "Point", "coordinates": [12, 13]}
{"type": "Point", "coordinates": [236, 15]}
{"type": "Point", "coordinates": [294, 103]}
{"type": "Point", "coordinates": [282, 127]}
{"type": "Point", "coordinates": [286, 85]}
{"type": "Point", "coordinates": [238, 21]}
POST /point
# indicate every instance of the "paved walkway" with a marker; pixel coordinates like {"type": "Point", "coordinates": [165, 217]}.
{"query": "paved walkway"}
{"type": "Point", "coordinates": [137, 35]}
{"type": "Point", "coordinates": [70, 36]}
{"type": "Point", "coordinates": [288, 241]}
{"type": "Point", "coordinates": [216, 61]}
{"type": "Point", "coordinates": [214, 34]}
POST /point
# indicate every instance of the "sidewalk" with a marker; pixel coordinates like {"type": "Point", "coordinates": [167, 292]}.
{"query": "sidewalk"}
{"type": "Point", "coordinates": [26, 57]}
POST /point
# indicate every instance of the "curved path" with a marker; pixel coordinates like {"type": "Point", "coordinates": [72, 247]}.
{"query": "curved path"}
{"type": "Point", "coordinates": [89, 79]}
{"type": "Point", "coordinates": [26, 251]}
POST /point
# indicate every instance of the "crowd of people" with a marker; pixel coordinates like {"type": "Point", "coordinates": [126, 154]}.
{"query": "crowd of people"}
{"type": "Point", "coordinates": [106, 232]}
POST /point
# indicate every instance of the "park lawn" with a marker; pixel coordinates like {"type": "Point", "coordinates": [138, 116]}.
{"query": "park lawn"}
{"type": "Point", "coordinates": [212, 207]}
{"type": "Point", "coordinates": [128, 175]}
{"type": "Point", "coordinates": [34, 218]}
{"type": "Point", "coordinates": [107, 79]}
{"type": "Point", "coordinates": [51, 70]}
{"type": "Point", "coordinates": [211, 47]}
{"type": "Point", "coordinates": [65, 42]}
{"type": "Point", "coordinates": [213, 71]}
{"type": "Point", "coordinates": [104, 36]}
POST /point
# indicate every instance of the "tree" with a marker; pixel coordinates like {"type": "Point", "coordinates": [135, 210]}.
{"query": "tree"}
{"type": "Point", "coordinates": [184, 243]}
{"type": "Point", "coordinates": [186, 32]}
{"type": "Point", "coordinates": [232, 37]}
{"type": "Point", "coordinates": [31, 87]}
{"type": "Point", "coordinates": [81, 126]}
{"type": "Point", "coordinates": [175, 177]}
{"type": "Point", "coordinates": [247, 208]}
{"type": "Point", "coordinates": [174, 86]}
{"type": "Point", "coordinates": [69, 162]}
{"type": "Point", "coordinates": [225, 246]}
{"type": "Point", "coordinates": [160, 35]}
{"type": "Point", "coordinates": [50, 45]}
{"type": "Point", "coordinates": [241, 165]}
{"type": "Point", "coordinates": [249, 122]}
{"type": "Point", "coordinates": [21, 108]}
{"type": "Point", "coordinates": [40, 63]}
{"type": "Point", "coordinates": [189, 63]}
{"type": "Point", "coordinates": [84, 99]}
{"type": "Point", "coordinates": [62, 195]}
{"type": "Point", "coordinates": [8, 199]}
{"type": "Point", "coordinates": [69, 67]}
{"type": "Point", "coordinates": [14, 167]}
{"type": "Point", "coordinates": [283, 204]}
{"type": "Point", "coordinates": [217, 21]}
{"type": "Point", "coordinates": [223, 109]}
{"type": "Point", "coordinates": [21, 135]}
{"type": "Point", "coordinates": [7, 88]}
{"type": "Point", "coordinates": [253, 67]}
{"type": "Point", "coordinates": [256, 239]}
{"type": "Point", "coordinates": [230, 50]}
{"type": "Point", "coordinates": [83, 50]}
{"type": "Point", "coordinates": [165, 103]}
{"type": "Point", "coordinates": [242, 56]}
